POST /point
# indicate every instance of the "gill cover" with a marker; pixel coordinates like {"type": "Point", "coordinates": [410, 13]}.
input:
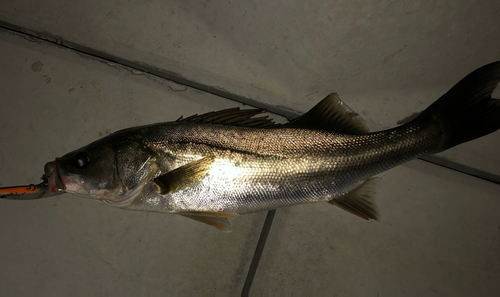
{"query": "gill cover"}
{"type": "Point", "coordinates": [136, 167]}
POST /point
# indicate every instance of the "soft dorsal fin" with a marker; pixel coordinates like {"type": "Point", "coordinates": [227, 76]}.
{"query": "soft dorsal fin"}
{"type": "Point", "coordinates": [360, 201]}
{"type": "Point", "coordinates": [331, 114]}
{"type": "Point", "coordinates": [233, 117]}
{"type": "Point", "coordinates": [217, 220]}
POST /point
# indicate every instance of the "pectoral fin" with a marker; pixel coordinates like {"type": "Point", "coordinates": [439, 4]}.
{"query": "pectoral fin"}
{"type": "Point", "coordinates": [184, 176]}
{"type": "Point", "coordinates": [216, 220]}
{"type": "Point", "coordinates": [360, 201]}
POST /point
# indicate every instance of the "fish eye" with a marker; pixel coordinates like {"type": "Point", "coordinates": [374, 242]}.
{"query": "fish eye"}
{"type": "Point", "coordinates": [82, 159]}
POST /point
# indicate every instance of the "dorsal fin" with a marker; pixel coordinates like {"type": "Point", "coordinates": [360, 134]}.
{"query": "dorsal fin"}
{"type": "Point", "coordinates": [233, 117]}
{"type": "Point", "coordinates": [331, 114]}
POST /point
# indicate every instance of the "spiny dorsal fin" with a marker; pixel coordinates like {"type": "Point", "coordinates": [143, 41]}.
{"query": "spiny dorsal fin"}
{"type": "Point", "coordinates": [233, 117]}
{"type": "Point", "coordinates": [331, 114]}
{"type": "Point", "coordinates": [184, 176]}
{"type": "Point", "coordinates": [360, 201]}
{"type": "Point", "coordinates": [216, 220]}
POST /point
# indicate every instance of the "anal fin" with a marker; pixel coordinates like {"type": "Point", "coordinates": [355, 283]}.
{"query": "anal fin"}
{"type": "Point", "coordinates": [360, 201]}
{"type": "Point", "coordinates": [218, 220]}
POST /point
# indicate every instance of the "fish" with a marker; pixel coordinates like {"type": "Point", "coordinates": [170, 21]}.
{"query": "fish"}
{"type": "Point", "coordinates": [219, 165]}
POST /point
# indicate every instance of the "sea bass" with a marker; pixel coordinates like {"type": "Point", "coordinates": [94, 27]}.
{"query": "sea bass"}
{"type": "Point", "coordinates": [215, 166]}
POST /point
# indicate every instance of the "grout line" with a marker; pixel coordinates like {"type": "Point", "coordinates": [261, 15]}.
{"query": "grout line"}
{"type": "Point", "coordinates": [214, 90]}
{"type": "Point", "coordinates": [443, 162]}
{"type": "Point", "coordinates": [172, 76]}
{"type": "Point", "coordinates": [258, 252]}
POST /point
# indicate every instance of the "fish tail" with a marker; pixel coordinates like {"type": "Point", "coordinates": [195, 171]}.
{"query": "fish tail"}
{"type": "Point", "coordinates": [467, 111]}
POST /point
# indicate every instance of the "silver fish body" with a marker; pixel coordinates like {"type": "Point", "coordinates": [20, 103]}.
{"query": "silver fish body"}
{"type": "Point", "coordinates": [260, 169]}
{"type": "Point", "coordinates": [213, 166]}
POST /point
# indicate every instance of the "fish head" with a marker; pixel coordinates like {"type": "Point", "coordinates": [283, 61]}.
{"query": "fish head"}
{"type": "Point", "coordinates": [109, 169]}
{"type": "Point", "coordinates": [89, 171]}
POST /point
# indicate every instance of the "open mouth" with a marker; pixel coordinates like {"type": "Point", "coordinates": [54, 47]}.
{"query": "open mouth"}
{"type": "Point", "coordinates": [53, 177]}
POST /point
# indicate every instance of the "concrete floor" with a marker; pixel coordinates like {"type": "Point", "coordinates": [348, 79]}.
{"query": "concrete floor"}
{"type": "Point", "coordinates": [439, 229]}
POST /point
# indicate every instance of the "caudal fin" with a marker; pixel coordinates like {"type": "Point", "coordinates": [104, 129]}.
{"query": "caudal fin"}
{"type": "Point", "coordinates": [467, 111]}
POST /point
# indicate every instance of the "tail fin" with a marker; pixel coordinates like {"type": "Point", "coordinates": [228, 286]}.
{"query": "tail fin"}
{"type": "Point", "coordinates": [467, 111]}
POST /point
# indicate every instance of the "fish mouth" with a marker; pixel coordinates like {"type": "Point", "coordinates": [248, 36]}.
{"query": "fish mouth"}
{"type": "Point", "coordinates": [53, 175]}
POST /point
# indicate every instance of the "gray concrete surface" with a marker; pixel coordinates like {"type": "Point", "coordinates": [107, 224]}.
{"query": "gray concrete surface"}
{"type": "Point", "coordinates": [439, 230]}
{"type": "Point", "coordinates": [438, 236]}
{"type": "Point", "coordinates": [55, 101]}
{"type": "Point", "coordinates": [387, 60]}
